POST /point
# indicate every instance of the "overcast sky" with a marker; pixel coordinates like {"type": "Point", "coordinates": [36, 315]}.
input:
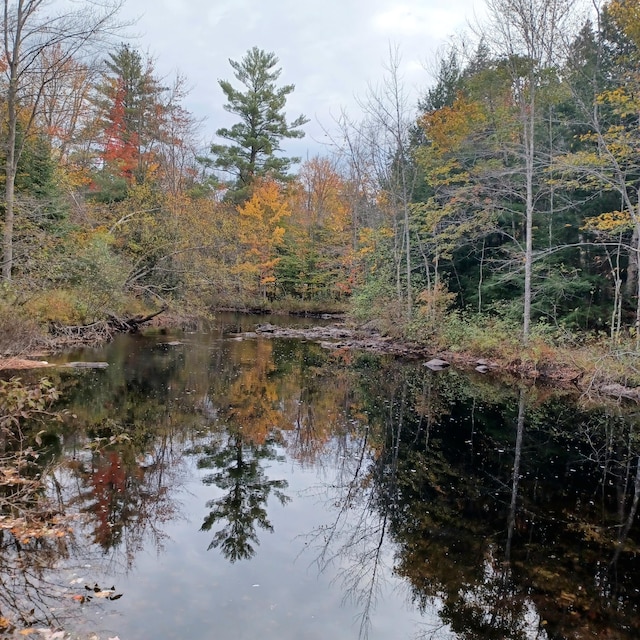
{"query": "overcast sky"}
{"type": "Point", "coordinates": [331, 50]}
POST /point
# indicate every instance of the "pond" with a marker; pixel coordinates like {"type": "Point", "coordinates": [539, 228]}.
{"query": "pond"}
{"type": "Point", "coordinates": [223, 487]}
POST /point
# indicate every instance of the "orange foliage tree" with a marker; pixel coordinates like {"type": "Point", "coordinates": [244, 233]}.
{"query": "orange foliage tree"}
{"type": "Point", "coordinates": [261, 232]}
{"type": "Point", "coordinates": [318, 253]}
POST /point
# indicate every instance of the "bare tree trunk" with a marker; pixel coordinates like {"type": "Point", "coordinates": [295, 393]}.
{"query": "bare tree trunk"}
{"type": "Point", "coordinates": [525, 32]}
{"type": "Point", "coordinates": [12, 54]}
{"type": "Point", "coordinates": [529, 144]}
{"type": "Point", "coordinates": [407, 242]}
{"type": "Point", "coordinates": [516, 474]}
{"type": "Point", "coordinates": [632, 269]}
{"type": "Point", "coordinates": [390, 122]}
{"type": "Point", "coordinates": [484, 242]}
{"type": "Point", "coordinates": [636, 251]}
{"type": "Point", "coordinates": [9, 201]}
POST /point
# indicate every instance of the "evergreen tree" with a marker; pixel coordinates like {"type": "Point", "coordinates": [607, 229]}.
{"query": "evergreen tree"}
{"type": "Point", "coordinates": [255, 139]}
{"type": "Point", "coordinates": [129, 103]}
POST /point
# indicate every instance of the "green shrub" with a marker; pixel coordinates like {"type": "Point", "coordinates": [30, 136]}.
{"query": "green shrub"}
{"type": "Point", "coordinates": [60, 306]}
{"type": "Point", "coordinates": [481, 335]}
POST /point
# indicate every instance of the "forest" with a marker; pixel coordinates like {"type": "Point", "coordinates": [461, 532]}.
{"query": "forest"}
{"type": "Point", "coordinates": [494, 222]}
{"type": "Point", "coordinates": [505, 205]}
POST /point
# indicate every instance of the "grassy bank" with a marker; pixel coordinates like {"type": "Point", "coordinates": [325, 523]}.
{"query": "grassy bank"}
{"type": "Point", "coordinates": [590, 361]}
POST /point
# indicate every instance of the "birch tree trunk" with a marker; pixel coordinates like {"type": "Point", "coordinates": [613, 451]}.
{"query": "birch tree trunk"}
{"type": "Point", "coordinates": [525, 34]}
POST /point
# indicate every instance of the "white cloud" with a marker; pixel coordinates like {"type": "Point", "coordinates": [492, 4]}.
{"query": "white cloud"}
{"type": "Point", "coordinates": [332, 50]}
{"type": "Point", "coordinates": [437, 20]}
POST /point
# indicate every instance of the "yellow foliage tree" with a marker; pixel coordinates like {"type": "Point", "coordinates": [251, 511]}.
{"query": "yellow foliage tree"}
{"type": "Point", "coordinates": [319, 237]}
{"type": "Point", "coordinates": [261, 232]}
{"type": "Point", "coordinates": [206, 249]}
{"type": "Point", "coordinates": [458, 208]}
{"type": "Point", "coordinates": [626, 14]}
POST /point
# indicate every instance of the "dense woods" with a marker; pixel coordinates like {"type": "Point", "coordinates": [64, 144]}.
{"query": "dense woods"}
{"type": "Point", "coordinates": [508, 198]}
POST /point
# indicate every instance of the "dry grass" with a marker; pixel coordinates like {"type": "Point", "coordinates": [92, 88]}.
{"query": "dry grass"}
{"type": "Point", "coordinates": [20, 364]}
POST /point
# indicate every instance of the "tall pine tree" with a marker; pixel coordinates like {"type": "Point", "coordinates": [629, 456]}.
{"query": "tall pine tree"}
{"type": "Point", "coordinates": [254, 141]}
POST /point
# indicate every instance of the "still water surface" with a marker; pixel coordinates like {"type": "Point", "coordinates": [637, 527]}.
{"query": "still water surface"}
{"type": "Point", "coordinates": [234, 488]}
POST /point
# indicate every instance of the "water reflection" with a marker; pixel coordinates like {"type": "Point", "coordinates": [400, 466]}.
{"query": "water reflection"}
{"type": "Point", "coordinates": [127, 493]}
{"type": "Point", "coordinates": [246, 489]}
{"type": "Point", "coordinates": [495, 511]}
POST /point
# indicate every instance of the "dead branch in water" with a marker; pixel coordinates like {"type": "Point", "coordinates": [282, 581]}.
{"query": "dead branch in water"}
{"type": "Point", "coordinates": [98, 332]}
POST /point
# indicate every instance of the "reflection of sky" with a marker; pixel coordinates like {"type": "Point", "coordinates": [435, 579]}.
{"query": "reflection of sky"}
{"type": "Point", "coordinates": [185, 591]}
{"type": "Point", "coordinates": [189, 592]}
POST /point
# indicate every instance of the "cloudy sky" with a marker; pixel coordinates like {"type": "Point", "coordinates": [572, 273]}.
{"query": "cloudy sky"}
{"type": "Point", "coordinates": [332, 50]}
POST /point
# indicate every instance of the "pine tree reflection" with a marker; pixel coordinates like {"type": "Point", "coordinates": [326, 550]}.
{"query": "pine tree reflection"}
{"type": "Point", "coordinates": [252, 414]}
{"type": "Point", "coordinates": [242, 508]}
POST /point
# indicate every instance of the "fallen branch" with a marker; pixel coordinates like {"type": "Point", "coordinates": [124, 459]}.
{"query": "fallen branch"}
{"type": "Point", "coordinates": [98, 332]}
{"type": "Point", "coordinates": [131, 325]}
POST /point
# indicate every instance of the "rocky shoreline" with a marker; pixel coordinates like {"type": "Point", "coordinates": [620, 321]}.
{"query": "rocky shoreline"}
{"type": "Point", "coordinates": [338, 337]}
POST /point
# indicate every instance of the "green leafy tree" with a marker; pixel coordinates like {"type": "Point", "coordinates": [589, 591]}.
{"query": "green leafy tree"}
{"type": "Point", "coordinates": [255, 139]}
{"type": "Point", "coordinates": [31, 30]}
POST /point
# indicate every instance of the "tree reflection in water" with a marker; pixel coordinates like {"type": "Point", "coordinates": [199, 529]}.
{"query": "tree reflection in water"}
{"type": "Point", "coordinates": [481, 497]}
{"type": "Point", "coordinates": [128, 494]}
{"type": "Point", "coordinates": [242, 508]}
{"type": "Point", "coordinates": [506, 513]}
{"type": "Point", "coordinates": [245, 438]}
{"type": "Point", "coordinates": [355, 544]}
{"type": "Point", "coordinates": [31, 589]}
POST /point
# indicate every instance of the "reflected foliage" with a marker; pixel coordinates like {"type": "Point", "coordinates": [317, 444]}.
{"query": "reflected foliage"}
{"type": "Point", "coordinates": [244, 441]}
{"type": "Point", "coordinates": [505, 512]}
{"type": "Point", "coordinates": [497, 524]}
{"type": "Point", "coordinates": [128, 494]}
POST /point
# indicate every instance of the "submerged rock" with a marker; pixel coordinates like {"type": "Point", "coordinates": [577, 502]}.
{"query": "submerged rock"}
{"type": "Point", "coordinates": [436, 364]}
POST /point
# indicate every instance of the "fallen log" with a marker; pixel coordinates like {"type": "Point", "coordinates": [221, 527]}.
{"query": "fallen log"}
{"type": "Point", "coordinates": [86, 365]}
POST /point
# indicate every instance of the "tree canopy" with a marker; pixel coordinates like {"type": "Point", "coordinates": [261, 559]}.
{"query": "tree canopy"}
{"type": "Point", "coordinates": [509, 193]}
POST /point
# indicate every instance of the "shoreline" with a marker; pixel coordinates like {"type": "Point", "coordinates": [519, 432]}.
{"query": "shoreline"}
{"type": "Point", "coordinates": [338, 337]}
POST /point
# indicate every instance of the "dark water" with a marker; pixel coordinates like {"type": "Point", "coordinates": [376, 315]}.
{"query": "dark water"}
{"type": "Point", "coordinates": [232, 489]}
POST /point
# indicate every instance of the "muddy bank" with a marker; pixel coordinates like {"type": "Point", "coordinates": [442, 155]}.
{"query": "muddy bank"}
{"type": "Point", "coordinates": [61, 338]}
{"type": "Point", "coordinates": [20, 364]}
